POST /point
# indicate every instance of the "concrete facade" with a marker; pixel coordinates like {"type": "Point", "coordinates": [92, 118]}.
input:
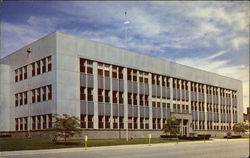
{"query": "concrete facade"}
{"type": "Point", "coordinates": [65, 80]}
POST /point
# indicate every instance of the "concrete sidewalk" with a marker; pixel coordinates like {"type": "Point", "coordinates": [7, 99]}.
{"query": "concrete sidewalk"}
{"type": "Point", "coordinates": [116, 147]}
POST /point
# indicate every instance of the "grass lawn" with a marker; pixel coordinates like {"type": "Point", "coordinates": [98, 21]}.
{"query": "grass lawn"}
{"type": "Point", "coordinates": [11, 144]}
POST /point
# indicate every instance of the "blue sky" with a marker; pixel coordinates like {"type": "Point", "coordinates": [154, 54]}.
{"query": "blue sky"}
{"type": "Point", "coordinates": [212, 36]}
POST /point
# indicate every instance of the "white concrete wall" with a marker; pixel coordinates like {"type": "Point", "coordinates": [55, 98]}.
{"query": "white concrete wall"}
{"type": "Point", "coordinates": [4, 97]}
{"type": "Point", "coordinates": [40, 49]}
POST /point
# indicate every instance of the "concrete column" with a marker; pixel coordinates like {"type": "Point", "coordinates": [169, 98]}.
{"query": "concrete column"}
{"type": "Point", "coordinates": [150, 101]}
{"type": "Point", "coordinates": [95, 95]}
{"type": "Point", "coordinates": [219, 101]}
{"type": "Point", "coordinates": [205, 105]}
{"type": "Point", "coordinates": [231, 108]}
{"type": "Point", "coordinates": [125, 100]}
{"type": "Point", "coordinates": [197, 104]}
{"type": "Point", "coordinates": [47, 123]}
{"type": "Point", "coordinates": [36, 123]}
{"type": "Point", "coordinates": [111, 95]}
{"type": "Point", "coordinates": [161, 120]}
{"type": "Point", "coordinates": [138, 100]}
{"type": "Point", "coordinates": [181, 103]}
{"type": "Point", "coordinates": [171, 94]}
{"type": "Point", "coordinates": [189, 96]}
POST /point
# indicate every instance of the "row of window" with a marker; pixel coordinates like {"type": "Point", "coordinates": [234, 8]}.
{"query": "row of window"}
{"type": "Point", "coordinates": [41, 66]}
{"type": "Point", "coordinates": [21, 73]}
{"type": "Point", "coordinates": [41, 94]}
{"type": "Point", "coordinates": [133, 75]}
{"type": "Point", "coordinates": [210, 126]}
{"type": "Point", "coordinates": [21, 98]}
{"type": "Point", "coordinates": [37, 122]}
{"type": "Point", "coordinates": [38, 67]}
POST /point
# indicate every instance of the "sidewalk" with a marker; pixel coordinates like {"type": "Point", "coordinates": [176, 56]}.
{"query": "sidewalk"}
{"type": "Point", "coordinates": [116, 147]}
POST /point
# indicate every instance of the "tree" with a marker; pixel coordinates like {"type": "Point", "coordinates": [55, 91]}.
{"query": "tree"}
{"type": "Point", "coordinates": [66, 126]}
{"type": "Point", "coordinates": [172, 126]}
{"type": "Point", "coordinates": [240, 128]}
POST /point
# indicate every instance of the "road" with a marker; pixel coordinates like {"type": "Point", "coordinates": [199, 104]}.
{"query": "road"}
{"type": "Point", "coordinates": [210, 149]}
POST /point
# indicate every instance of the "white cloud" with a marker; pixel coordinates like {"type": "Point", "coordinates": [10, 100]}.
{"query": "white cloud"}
{"type": "Point", "coordinates": [239, 41]}
{"type": "Point", "coordinates": [222, 67]}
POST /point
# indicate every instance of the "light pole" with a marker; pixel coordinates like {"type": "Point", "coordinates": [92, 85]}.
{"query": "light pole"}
{"type": "Point", "coordinates": [29, 101]}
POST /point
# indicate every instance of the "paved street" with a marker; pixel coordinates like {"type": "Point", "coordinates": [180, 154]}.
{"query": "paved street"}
{"type": "Point", "coordinates": [209, 149]}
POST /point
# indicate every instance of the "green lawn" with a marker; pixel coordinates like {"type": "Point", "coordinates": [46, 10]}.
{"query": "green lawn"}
{"type": "Point", "coordinates": [10, 144]}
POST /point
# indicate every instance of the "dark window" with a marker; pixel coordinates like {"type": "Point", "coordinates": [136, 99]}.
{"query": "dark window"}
{"type": "Point", "coordinates": [25, 123]}
{"type": "Point", "coordinates": [107, 100]}
{"type": "Point", "coordinates": [134, 75]}
{"type": "Point", "coordinates": [49, 64]}
{"type": "Point", "coordinates": [89, 70]}
{"type": "Point", "coordinates": [33, 122]}
{"type": "Point", "coordinates": [33, 69]}
{"type": "Point", "coordinates": [49, 92]}
{"type": "Point", "coordinates": [129, 77]}
{"type": "Point", "coordinates": [82, 93]}
{"type": "Point", "coordinates": [38, 122]}
{"type": "Point", "coordinates": [135, 99]}
{"type": "Point", "coordinates": [21, 98]}
{"type": "Point", "coordinates": [38, 68]}
{"type": "Point", "coordinates": [16, 75]}
{"type": "Point", "coordinates": [25, 97]}
{"type": "Point", "coordinates": [129, 98]}
{"type": "Point", "coordinates": [21, 124]}
{"type": "Point", "coordinates": [16, 120]}
{"type": "Point", "coordinates": [44, 93]}
{"type": "Point", "coordinates": [82, 67]}
{"type": "Point", "coordinates": [16, 99]}
{"type": "Point", "coordinates": [115, 99]}
{"type": "Point", "coordinates": [25, 73]}
{"type": "Point", "coordinates": [50, 120]}
{"type": "Point", "coordinates": [120, 72]}
{"type": "Point", "coordinates": [114, 71]}
{"type": "Point", "coordinates": [90, 95]}
{"type": "Point", "coordinates": [21, 74]}
{"type": "Point", "coordinates": [44, 65]}
{"type": "Point", "coordinates": [33, 96]}
{"type": "Point", "coordinates": [100, 95]}
{"type": "Point", "coordinates": [38, 97]}
{"type": "Point", "coordinates": [106, 73]}
{"type": "Point", "coordinates": [121, 97]}
{"type": "Point", "coordinates": [44, 121]}
{"type": "Point", "coordinates": [100, 72]}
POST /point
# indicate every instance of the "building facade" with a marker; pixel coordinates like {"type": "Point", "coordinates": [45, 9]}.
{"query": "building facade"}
{"type": "Point", "coordinates": [110, 88]}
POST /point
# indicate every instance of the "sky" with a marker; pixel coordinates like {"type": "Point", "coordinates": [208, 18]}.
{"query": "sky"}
{"type": "Point", "coordinates": [212, 36]}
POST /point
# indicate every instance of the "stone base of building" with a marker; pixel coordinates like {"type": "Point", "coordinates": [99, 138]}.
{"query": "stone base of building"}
{"type": "Point", "coordinates": [103, 134]}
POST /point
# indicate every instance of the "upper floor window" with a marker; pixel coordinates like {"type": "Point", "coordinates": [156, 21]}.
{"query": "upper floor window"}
{"type": "Point", "coordinates": [82, 65]}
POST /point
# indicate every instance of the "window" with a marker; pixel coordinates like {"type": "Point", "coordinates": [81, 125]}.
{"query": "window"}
{"type": "Point", "coordinates": [20, 74]}
{"type": "Point", "coordinates": [33, 122]}
{"type": "Point", "coordinates": [44, 121]}
{"type": "Point", "coordinates": [44, 65]}
{"type": "Point", "coordinates": [16, 75]}
{"type": "Point", "coordinates": [38, 122]}
{"type": "Point", "coordinates": [38, 95]}
{"type": "Point", "coordinates": [135, 99]}
{"type": "Point", "coordinates": [129, 77]}
{"type": "Point", "coordinates": [25, 97]}
{"type": "Point", "coordinates": [141, 99]}
{"type": "Point", "coordinates": [90, 94]}
{"type": "Point", "coordinates": [49, 64]}
{"type": "Point", "coordinates": [21, 98]}
{"type": "Point", "coordinates": [120, 69]}
{"type": "Point", "coordinates": [50, 120]}
{"type": "Point", "coordinates": [146, 100]}
{"type": "Point", "coordinates": [16, 99]}
{"type": "Point", "coordinates": [38, 68]}
{"type": "Point", "coordinates": [49, 92]}
{"type": "Point", "coordinates": [115, 99]}
{"type": "Point", "coordinates": [158, 79]}
{"type": "Point", "coordinates": [25, 72]}
{"type": "Point", "coordinates": [33, 96]}
{"type": "Point", "coordinates": [25, 123]}
{"type": "Point", "coordinates": [89, 67]}
{"type": "Point", "coordinates": [140, 76]}
{"type": "Point", "coordinates": [129, 98]}
{"type": "Point", "coordinates": [153, 78]}
{"type": "Point", "coordinates": [44, 93]}
{"type": "Point", "coordinates": [16, 121]}
{"type": "Point", "coordinates": [114, 71]}
{"type": "Point", "coordinates": [82, 66]}
{"type": "Point", "coordinates": [100, 95]}
{"type": "Point", "coordinates": [134, 75]}
{"type": "Point", "coordinates": [33, 69]}
{"type": "Point", "coordinates": [163, 82]}
{"type": "Point", "coordinates": [145, 77]}
{"type": "Point", "coordinates": [121, 97]}
{"type": "Point", "coordinates": [107, 100]}
{"type": "Point", "coordinates": [82, 93]}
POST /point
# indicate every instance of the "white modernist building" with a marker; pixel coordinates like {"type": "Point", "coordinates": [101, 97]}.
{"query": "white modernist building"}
{"type": "Point", "coordinates": [111, 88]}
